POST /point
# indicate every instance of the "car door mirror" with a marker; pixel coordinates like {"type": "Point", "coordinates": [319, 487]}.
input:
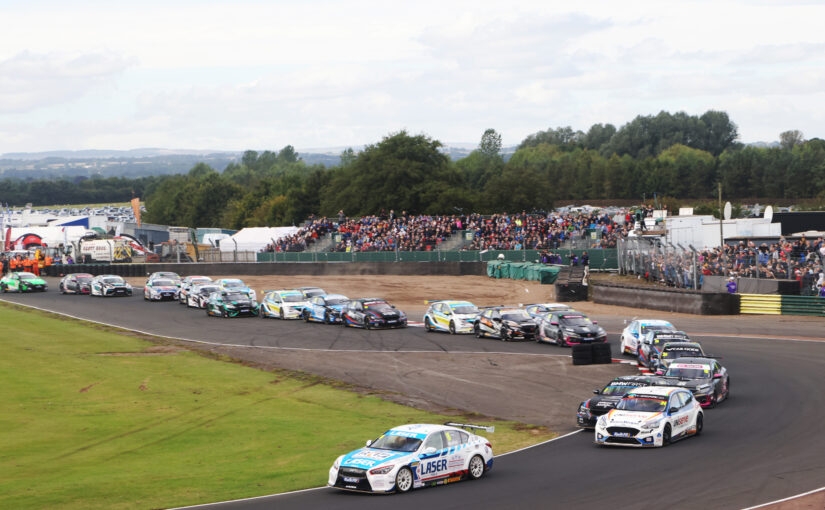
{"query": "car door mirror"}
{"type": "Point", "coordinates": [674, 410]}
{"type": "Point", "coordinates": [596, 392]}
{"type": "Point", "coordinates": [497, 319]}
{"type": "Point", "coordinates": [595, 322]}
{"type": "Point", "coordinates": [554, 323]}
{"type": "Point", "coordinates": [429, 450]}
{"type": "Point", "coordinates": [369, 442]}
{"type": "Point", "coordinates": [717, 376]}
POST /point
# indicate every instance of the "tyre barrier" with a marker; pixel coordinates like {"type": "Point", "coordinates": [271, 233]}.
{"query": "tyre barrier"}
{"type": "Point", "coordinates": [602, 354]}
{"type": "Point", "coordinates": [583, 354]}
{"type": "Point", "coordinates": [592, 354]}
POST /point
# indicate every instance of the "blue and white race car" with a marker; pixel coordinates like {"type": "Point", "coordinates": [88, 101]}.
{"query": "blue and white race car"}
{"type": "Point", "coordinates": [414, 456]}
{"type": "Point", "coordinates": [451, 316]}
{"type": "Point", "coordinates": [637, 329]}
{"type": "Point", "coordinates": [161, 289]}
{"type": "Point", "coordinates": [327, 308]}
{"type": "Point", "coordinates": [233, 284]}
{"type": "Point", "coordinates": [283, 304]}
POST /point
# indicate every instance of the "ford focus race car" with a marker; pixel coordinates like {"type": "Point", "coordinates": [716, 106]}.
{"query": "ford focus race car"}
{"type": "Point", "coordinates": [414, 456]}
{"type": "Point", "coordinates": [283, 304]}
{"type": "Point", "coordinates": [234, 284]}
{"type": "Point", "coordinates": [653, 343]}
{"type": "Point", "coordinates": [672, 351]}
{"type": "Point", "coordinates": [637, 329]}
{"type": "Point", "coordinates": [327, 308]}
{"type": "Point", "coordinates": [569, 328]}
{"type": "Point", "coordinates": [704, 377]}
{"type": "Point", "coordinates": [107, 285]}
{"type": "Point", "coordinates": [651, 416]}
{"type": "Point", "coordinates": [199, 294]}
{"type": "Point", "coordinates": [371, 313]}
{"type": "Point", "coordinates": [186, 285]}
{"type": "Point", "coordinates": [505, 324]}
{"type": "Point", "coordinates": [161, 289]}
{"type": "Point", "coordinates": [22, 282]}
{"type": "Point", "coordinates": [450, 316]}
{"type": "Point", "coordinates": [227, 303]}
{"type": "Point", "coordinates": [607, 398]}
{"type": "Point", "coordinates": [76, 283]}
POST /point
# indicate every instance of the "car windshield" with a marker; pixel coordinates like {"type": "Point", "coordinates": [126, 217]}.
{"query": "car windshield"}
{"type": "Point", "coordinates": [378, 307]}
{"type": "Point", "coordinates": [84, 279]}
{"type": "Point", "coordinates": [643, 404]}
{"type": "Point", "coordinates": [336, 301]}
{"type": "Point", "coordinates": [465, 308]}
{"type": "Point", "coordinates": [515, 315]}
{"type": "Point", "coordinates": [205, 291]}
{"type": "Point", "coordinates": [233, 285]}
{"type": "Point", "coordinates": [113, 279]}
{"type": "Point", "coordinates": [313, 292]}
{"type": "Point", "coordinates": [24, 276]}
{"type": "Point", "coordinates": [682, 352]}
{"type": "Point", "coordinates": [236, 296]}
{"type": "Point", "coordinates": [576, 321]}
{"type": "Point", "coordinates": [173, 276]}
{"type": "Point", "coordinates": [163, 283]}
{"type": "Point", "coordinates": [656, 327]}
{"type": "Point", "coordinates": [689, 373]}
{"type": "Point", "coordinates": [292, 298]}
{"type": "Point", "coordinates": [618, 389]}
{"type": "Point", "coordinates": [390, 441]}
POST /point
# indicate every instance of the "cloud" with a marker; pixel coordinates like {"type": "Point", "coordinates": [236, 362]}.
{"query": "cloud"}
{"type": "Point", "coordinates": [30, 80]}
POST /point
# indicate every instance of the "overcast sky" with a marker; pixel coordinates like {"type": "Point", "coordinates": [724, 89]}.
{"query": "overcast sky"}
{"type": "Point", "coordinates": [246, 74]}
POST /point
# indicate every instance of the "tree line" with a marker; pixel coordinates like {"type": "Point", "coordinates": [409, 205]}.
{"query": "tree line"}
{"type": "Point", "coordinates": [671, 155]}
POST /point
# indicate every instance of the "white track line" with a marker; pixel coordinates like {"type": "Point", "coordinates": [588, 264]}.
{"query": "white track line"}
{"type": "Point", "coordinates": [786, 499]}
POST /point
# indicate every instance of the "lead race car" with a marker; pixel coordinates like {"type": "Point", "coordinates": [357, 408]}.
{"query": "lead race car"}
{"type": "Point", "coordinates": [606, 399]}
{"type": "Point", "coordinates": [450, 316]}
{"type": "Point", "coordinates": [414, 456]}
{"type": "Point", "coordinates": [23, 282]}
{"type": "Point", "coordinates": [650, 417]}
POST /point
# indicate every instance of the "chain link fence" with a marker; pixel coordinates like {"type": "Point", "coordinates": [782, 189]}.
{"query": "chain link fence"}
{"type": "Point", "coordinates": [664, 263]}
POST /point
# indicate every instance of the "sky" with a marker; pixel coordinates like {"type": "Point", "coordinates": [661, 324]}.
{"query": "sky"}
{"type": "Point", "coordinates": [260, 75]}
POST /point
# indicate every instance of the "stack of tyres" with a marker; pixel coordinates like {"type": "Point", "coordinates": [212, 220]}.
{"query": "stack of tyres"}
{"type": "Point", "coordinates": [602, 354]}
{"type": "Point", "coordinates": [583, 354]}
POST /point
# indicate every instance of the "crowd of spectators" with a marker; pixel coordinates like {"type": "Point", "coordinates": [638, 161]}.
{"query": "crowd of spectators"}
{"type": "Point", "coordinates": [304, 238]}
{"type": "Point", "coordinates": [396, 232]}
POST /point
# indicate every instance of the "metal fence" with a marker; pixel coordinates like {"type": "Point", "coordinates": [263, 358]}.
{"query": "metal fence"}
{"type": "Point", "coordinates": [664, 263]}
{"type": "Point", "coordinates": [216, 255]}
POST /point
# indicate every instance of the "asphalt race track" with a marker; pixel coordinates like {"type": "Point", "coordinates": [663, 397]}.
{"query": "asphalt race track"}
{"type": "Point", "coordinates": [764, 444]}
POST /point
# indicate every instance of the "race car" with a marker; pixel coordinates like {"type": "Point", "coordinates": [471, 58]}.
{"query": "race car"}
{"type": "Point", "coordinates": [414, 456]}
{"type": "Point", "coordinates": [371, 313]}
{"type": "Point", "coordinates": [75, 283]}
{"type": "Point", "coordinates": [607, 397]}
{"type": "Point", "coordinates": [650, 417]}
{"type": "Point", "coordinates": [672, 351]}
{"type": "Point", "coordinates": [450, 316]}
{"type": "Point", "coordinates": [326, 308]}
{"type": "Point", "coordinates": [22, 282]}
{"type": "Point", "coordinates": [284, 304]}
{"type": "Point", "coordinates": [309, 292]}
{"type": "Point", "coordinates": [569, 328]}
{"type": "Point", "coordinates": [108, 285]}
{"type": "Point", "coordinates": [637, 329]}
{"type": "Point", "coordinates": [540, 310]}
{"type": "Point", "coordinates": [704, 377]}
{"type": "Point", "coordinates": [652, 344]}
{"type": "Point", "coordinates": [187, 283]}
{"type": "Point", "coordinates": [166, 275]}
{"type": "Point", "coordinates": [231, 303]}
{"type": "Point", "coordinates": [161, 289]}
{"type": "Point", "coordinates": [199, 294]}
{"type": "Point", "coordinates": [505, 323]}
{"type": "Point", "coordinates": [236, 285]}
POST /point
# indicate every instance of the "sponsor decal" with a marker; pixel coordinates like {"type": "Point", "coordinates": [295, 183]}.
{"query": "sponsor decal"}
{"type": "Point", "coordinates": [373, 454]}
{"type": "Point", "coordinates": [432, 467]}
{"type": "Point", "coordinates": [680, 420]}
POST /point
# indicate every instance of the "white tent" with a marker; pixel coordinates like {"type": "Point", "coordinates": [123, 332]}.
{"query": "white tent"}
{"type": "Point", "coordinates": [255, 238]}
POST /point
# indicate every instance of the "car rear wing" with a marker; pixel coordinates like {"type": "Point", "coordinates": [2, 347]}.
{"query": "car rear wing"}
{"type": "Point", "coordinates": [491, 429]}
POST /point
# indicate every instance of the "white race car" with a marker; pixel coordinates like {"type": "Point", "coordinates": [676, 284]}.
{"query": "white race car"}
{"type": "Point", "coordinates": [199, 294]}
{"type": "Point", "coordinates": [283, 304]}
{"type": "Point", "coordinates": [633, 333]}
{"type": "Point", "coordinates": [107, 285]}
{"type": "Point", "coordinates": [650, 416]}
{"type": "Point", "coordinates": [161, 289]}
{"type": "Point", "coordinates": [414, 456]}
{"type": "Point", "coordinates": [451, 316]}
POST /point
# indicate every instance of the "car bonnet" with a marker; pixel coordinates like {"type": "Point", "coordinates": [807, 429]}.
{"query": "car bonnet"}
{"type": "Point", "coordinates": [368, 458]}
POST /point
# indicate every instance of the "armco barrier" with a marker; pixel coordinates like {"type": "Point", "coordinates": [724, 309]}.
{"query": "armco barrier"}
{"type": "Point", "coordinates": [764, 304]}
{"type": "Point", "coordinates": [666, 299]}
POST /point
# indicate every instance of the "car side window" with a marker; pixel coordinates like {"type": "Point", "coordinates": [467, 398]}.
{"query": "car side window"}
{"type": "Point", "coordinates": [687, 397]}
{"type": "Point", "coordinates": [434, 441]}
{"type": "Point", "coordinates": [464, 437]}
{"type": "Point", "coordinates": [451, 438]}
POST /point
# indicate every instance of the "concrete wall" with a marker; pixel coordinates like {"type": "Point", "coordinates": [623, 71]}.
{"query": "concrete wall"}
{"type": "Point", "coordinates": [669, 300]}
{"type": "Point", "coordinates": [713, 283]}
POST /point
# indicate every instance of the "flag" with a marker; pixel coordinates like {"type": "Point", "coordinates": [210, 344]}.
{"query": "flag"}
{"type": "Point", "coordinates": [136, 209]}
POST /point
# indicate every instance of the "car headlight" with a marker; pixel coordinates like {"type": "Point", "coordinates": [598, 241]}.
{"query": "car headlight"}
{"type": "Point", "coordinates": [337, 462]}
{"type": "Point", "coordinates": [511, 324]}
{"type": "Point", "coordinates": [382, 470]}
{"type": "Point", "coordinates": [652, 424]}
{"type": "Point", "coordinates": [704, 387]}
{"type": "Point", "coordinates": [602, 421]}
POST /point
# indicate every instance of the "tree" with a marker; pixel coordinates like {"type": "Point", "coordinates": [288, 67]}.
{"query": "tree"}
{"type": "Point", "coordinates": [347, 156]}
{"type": "Point", "coordinates": [490, 145]}
{"type": "Point", "coordinates": [789, 139]}
{"type": "Point", "coordinates": [288, 155]}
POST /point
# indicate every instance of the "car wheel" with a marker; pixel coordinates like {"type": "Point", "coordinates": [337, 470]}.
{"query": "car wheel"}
{"type": "Point", "coordinates": [3, 287]}
{"type": "Point", "coordinates": [305, 313]}
{"type": "Point", "coordinates": [560, 340]}
{"type": "Point", "coordinates": [477, 331]}
{"type": "Point", "coordinates": [476, 467]}
{"type": "Point", "coordinates": [666, 435]}
{"type": "Point", "coordinates": [326, 317]}
{"type": "Point", "coordinates": [403, 480]}
{"type": "Point", "coordinates": [281, 314]}
{"type": "Point", "coordinates": [452, 328]}
{"type": "Point", "coordinates": [699, 423]}
{"type": "Point", "coordinates": [427, 326]}
{"type": "Point", "coordinates": [224, 314]}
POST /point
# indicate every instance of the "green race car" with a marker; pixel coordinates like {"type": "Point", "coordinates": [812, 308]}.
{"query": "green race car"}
{"type": "Point", "coordinates": [231, 303]}
{"type": "Point", "coordinates": [22, 282]}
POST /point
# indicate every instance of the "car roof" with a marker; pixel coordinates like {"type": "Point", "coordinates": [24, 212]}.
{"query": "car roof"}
{"type": "Point", "coordinates": [78, 274]}
{"type": "Point", "coordinates": [109, 276]}
{"type": "Point", "coordinates": [333, 296]}
{"type": "Point", "coordinates": [227, 280]}
{"type": "Point", "coordinates": [372, 299]}
{"type": "Point", "coordinates": [423, 428]}
{"type": "Point", "coordinates": [308, 288]}
{"type": "Point", "coordinates": [659, 391]}
{"type": "Point", "coordinates": [451, 302]}
{"type": "Point", "coordinates": [653, 322]}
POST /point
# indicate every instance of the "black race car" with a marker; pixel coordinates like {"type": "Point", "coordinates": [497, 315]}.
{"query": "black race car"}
{"type": "Point", "coordinates": [704, 377]}
{"type": "Point", "coordinates": [672, 351]}
{"type": "Point", "coordinates": [607, 398]}
{"type": "Point", "coordinates": [652, 344]}
{"type": "Point", "coordinates": [505, 323]}
{"type": "Point", "coordinates": [230, 303]}
{"type": "Point", "coordinates": [570, 328]}
{"type": "Point", "coordinates": [76, 283]}
{"type": "Point", "coordinates": [371, 313]}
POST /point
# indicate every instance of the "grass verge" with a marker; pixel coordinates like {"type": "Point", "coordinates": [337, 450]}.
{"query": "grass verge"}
{"type": "Point", "coordinates": [90, 419]}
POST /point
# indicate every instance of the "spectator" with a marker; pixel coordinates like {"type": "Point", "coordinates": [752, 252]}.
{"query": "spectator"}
{"type": "Point", "coordinates": [731, 285]}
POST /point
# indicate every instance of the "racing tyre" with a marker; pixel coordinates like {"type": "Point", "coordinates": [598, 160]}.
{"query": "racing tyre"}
{"type": "Point", "coordinates": [476, 467]}
{"type": "Point", "coordinates": [582, 354]}
{"type": "Point", "coordinates": [224, 314]}
{"type": "Point", "coordinates": [700, 422]}
{"type": "Point", "coordinates": [281, 314]}
{"type": "Point", "coordinates": [452, 328]}
{"type": "Point", "coordinates": [477, 331]}
{"type": "Point", "coordinates": [559, 340]}
{"type": "Point", "coordinates": [403, 480]}
{"type": "Point", "coordinates": [666, 435]}
{"type": "Point", "coordinates": [3, 287]}
{"type": "Point", "coordinates": [305, 315]}
{"type": "Point", "coordinates": [502, 335]}
{"type": "Point", "coordinates": [427, 326]}
{"type": "Point", "coordinates": [326, 318]}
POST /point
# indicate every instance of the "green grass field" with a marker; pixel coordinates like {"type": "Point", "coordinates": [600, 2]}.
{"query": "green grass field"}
{"type": "Point", "coordinates": [91, 418]}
